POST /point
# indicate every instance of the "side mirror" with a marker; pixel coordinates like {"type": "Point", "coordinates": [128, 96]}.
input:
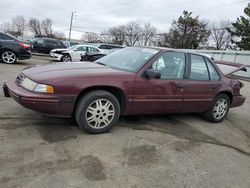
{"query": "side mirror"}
{"type": "Point", "coordinates": [152, 74]}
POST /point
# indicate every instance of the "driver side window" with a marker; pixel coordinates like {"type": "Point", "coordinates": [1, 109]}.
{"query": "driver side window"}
{"type": "Point", "coordinates": [171, 65]}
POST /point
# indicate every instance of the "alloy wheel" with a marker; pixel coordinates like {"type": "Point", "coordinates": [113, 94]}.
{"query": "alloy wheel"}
{"type": "Point", "coordinates": [9, 57]}
{"type": "Point", "coordinates": [100, 113]}
{"type": "Point", "coordinates": [220, 108]}
{"type": "Point", "coordinates": [66, 58]}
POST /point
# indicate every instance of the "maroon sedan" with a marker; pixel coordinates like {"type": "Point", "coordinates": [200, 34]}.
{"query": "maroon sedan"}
{"type": "Point", "coordinates": [129, 81]}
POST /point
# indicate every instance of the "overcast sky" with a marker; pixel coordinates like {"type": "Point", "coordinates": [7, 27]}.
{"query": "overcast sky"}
{"type": "Point", "coordinates": [99, 15]}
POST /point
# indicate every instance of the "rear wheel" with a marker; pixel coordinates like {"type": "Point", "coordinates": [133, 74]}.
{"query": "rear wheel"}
{"type": "Point", "coordinates": [8, 57]}
{"type": "Point", "coordinates": [219, 109]}
{"type": "Point", "coordinates": [66, 58]}
{"type": "Point", "coordinates": [97, 111]}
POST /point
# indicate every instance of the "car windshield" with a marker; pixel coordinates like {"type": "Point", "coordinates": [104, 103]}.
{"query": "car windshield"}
{"type": "Point", "coordinates": [128, 59]}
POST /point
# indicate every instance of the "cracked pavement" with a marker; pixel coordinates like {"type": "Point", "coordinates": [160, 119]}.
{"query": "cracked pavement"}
{"type": "Point", "coordinates": [175, 150]}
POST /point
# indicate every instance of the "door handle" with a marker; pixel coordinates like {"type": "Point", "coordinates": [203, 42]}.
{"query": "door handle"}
{"type": "Point", "coordinates": [214, 87]}
{"type": "Point", "coordinates": [180, 87]}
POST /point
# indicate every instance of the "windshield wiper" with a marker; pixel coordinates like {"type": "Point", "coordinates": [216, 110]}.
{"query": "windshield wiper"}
{"type": "Point", "coordinates": [100, 63]}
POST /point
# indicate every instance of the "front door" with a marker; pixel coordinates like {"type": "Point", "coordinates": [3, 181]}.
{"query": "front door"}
{"type": "Point", "coordinates": [81, 50]}
{"type": "Point", "coordinates": [161, 95]}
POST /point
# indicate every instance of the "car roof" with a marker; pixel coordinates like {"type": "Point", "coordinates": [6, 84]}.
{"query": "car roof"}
{"type": "Point", "coordinates": [174, 49]}
{"type": "Point", "coordinates": [46, 38]}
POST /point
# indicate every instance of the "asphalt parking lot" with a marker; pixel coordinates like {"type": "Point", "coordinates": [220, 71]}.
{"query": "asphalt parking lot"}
{"type": "Point", "coordinates": [141, 151]}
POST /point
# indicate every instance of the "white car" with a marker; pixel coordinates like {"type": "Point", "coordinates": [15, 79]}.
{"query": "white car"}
{"type": "Point", "coordinates": [72, 53]}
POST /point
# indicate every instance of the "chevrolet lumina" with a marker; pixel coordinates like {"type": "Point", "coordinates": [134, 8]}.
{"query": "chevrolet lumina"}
{"type": "Point", "coordinates": [133, 80]}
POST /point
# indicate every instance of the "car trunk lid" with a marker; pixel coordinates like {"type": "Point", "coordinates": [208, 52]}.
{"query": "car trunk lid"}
{"type": "Point", "coordinates": [228, 68]}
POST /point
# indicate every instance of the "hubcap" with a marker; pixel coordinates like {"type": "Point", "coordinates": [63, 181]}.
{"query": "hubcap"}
{"type": "Point", "coordinates": [100, 113]}
{"type": "Point", "coordinates": [9, 57]}
{"type": "Point", "coordinates": [66, 58]}
{"type": "Point", "coordinates": [220, 108]}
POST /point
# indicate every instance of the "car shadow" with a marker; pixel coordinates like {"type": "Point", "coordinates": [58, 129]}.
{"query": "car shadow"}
{"type": "Point", "coordinates": [175, 125]}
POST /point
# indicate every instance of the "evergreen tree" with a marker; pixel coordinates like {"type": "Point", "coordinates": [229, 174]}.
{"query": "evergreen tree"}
{"type": "Point", "coordinates": [241, 30]}
{"type": "Point", "coordinates": [187, 32]}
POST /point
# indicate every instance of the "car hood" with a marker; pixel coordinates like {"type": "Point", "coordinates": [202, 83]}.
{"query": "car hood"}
{"type": "Point", "coordinates": [59, 50]}
{"type": "Point", "coordinates": [70, 70]}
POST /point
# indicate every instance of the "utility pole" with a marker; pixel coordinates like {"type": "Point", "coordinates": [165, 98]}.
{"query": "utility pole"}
{"type": "Point", "coordinates": [70, 28]}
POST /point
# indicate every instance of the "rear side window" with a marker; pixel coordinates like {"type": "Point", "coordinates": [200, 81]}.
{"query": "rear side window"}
{"type": "Point", "coordinates": [212, 71]}
{"type": "Point", "coordinates": [199, 69]}
{"type": "Point", "coordinates": [92, 49]}
{"type": "Point", "coordinates": [39, 41]}
{"type": "Point", "coordinates": [52, 42]}
{"type": "Point", "coordinates": [81, 48]}
{"type": "Point", "coordinates": [102, 47]}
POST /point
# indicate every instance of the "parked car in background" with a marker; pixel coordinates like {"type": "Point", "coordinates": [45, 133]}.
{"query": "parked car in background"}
{"type": "Point", "coordinates": [45, 45]}
{"type": "Point", "coordinates": [69, 44]}
{"type": "Point", "coordinates": [106, 48]}
{"type": "Point", "coordinates": [72, 53]}
{"type": "Point", "coordinates": [133, 80]}
{"type": "Point", "coordinates": [92, 56]}
{"type": "Point", "coordinates": [12, 49]}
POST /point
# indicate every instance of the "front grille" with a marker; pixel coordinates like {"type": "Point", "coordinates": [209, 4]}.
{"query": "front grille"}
{"type": "Point", "coordinates": [19, 79]}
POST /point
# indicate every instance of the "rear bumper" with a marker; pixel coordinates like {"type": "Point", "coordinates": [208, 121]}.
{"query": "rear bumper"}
{"type": "Point", "coordinates": [24, 54]}
{"type": "Point", "coordinates": [238, 101]}
{"type": "Point", "coordinates": [44, 103]}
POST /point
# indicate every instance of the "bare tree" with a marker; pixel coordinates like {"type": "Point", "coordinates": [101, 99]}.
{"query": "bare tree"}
{"type": "Point", "coordinates": [8, 28]}
{"type": "Point", "coordinates": [220, 36]}
{"type": "Point", "coordinates": [58, 35]}
{"type": "Point", "coordinates": [35, 26]}
{"type": "Point", "coordinates": [90, 37]}
{"type": "Point", "coordinates": [148, 32]}
{"type": "Point", "coordinates": [19, 23]}
{"type": "Point", "coordinates": [133, 32]}
{"type": "Point", "coordinates": [117, 34]}
{"type": "Point", "coordinates": [106, 37]}
{"type": "Point", "coordinates": [47, 27]}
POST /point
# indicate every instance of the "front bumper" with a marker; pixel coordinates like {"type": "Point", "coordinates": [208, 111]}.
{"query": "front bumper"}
{"type": "Point", "coordinates": [61, 106]}
{"type": "Point", "coordinates": [238, 101]}
{"type": "Point", "coordinates": [56, 56]}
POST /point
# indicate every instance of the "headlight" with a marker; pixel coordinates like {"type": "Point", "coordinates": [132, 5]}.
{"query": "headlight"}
{"type": "Point", "coordinates": [33, 86]}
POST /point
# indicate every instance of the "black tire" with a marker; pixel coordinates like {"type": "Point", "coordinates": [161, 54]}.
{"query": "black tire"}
{"type": "Point", "coordinates": [88, 115]}
{"type": "Point", "coordinates": [8, 57]}
{"type": "Point", "coordinates": [211, 114]}
{"type": "Point", "coordinates": [66, 58]}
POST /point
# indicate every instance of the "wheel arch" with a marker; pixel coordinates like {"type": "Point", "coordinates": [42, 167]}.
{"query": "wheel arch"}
{"type": "Point", "coordinates": [67, 53]}
{"type": "Point", "coordinates": [117, 92]}
{"type": "Point", "coordinates": [8, 49]}
{"type": "Point", "coordinates": [229, 94]}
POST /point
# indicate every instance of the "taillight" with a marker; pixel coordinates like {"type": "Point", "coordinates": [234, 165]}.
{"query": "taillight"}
{"type": "Point", "coordinates": [24, 45]}
{"type": "Point", "coordinates": [241, 84]}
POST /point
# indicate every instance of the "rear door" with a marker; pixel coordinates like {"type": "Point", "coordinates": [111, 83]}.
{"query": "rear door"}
{"type": "Point", "coordinates": [202, 85]}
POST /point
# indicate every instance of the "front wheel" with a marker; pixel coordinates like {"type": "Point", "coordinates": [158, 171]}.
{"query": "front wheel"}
{"type": "Point", "coordinates": [97, 111]}
{"type": "Point", "coordinates": [218, 111]}
{"type": "Point", "coordinates": [66, 58]}
{"type": "Point", "coordinates": [8, 57]}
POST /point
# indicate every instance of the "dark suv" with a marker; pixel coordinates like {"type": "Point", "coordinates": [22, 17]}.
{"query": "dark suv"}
{"type": "Point", "coordinates": [12, 49]}
{"type": "Point", "coordinates": [45, 45]}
